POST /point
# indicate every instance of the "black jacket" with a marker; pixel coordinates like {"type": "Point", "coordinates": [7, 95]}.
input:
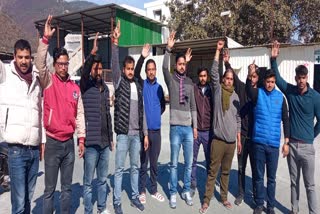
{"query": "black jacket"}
{"type": "Point", "coordinates": [96, 105]}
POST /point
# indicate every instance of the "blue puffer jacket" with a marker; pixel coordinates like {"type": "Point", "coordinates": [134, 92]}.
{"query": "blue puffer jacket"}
{"type": "Point", "coordinates": [267, 118]}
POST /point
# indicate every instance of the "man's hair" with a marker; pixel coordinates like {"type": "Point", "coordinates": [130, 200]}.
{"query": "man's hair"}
{"type": "Point", "coordinates": [227, 71]}
{"type": "Point", "coordinates": [301, 70]}
{"type": "Point", "coordinates": [256, 69]}
{"type": "Point", "coordinates": [128, 60]}
{"type": "Point", "coordinates": [179, 55]}
{"type": "Point", "coordinates": [150, 61]}
{"type": "Point", "coordinates": [57, 52]}
{"type": "Point", "coordinates": [203, 69]}
{"type": "Point", "coordinates": [97, 58]}
{"type": "Point", "coordinates": [269, 73]}
{"type": "Point", "coordinates": [22, 44]}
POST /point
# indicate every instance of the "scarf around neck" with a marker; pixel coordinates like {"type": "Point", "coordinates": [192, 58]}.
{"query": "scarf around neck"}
{"type": "Point", "coordinates": [226, 94]}
{"type": "Point", "coordinates": [182, 90]}
{"type": "Point", "coordinates": [27, 76]}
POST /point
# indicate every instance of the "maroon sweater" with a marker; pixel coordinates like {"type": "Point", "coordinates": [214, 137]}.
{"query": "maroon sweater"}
{"type": "Point", "coordinates": [204, 104]}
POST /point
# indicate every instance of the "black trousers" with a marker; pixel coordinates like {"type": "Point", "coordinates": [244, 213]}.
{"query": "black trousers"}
{"type": "Point", "coordinates": [58, 156]}
{"type": "Point", "coordinates": [247, 150]}
{"type": "Point", "coordinates": [151, 154]}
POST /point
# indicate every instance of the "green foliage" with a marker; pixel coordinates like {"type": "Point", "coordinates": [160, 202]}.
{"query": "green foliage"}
{"type": "Point", "coordinates": [252, 21]}
{"type": "Point", "coordinates": [306, 17]}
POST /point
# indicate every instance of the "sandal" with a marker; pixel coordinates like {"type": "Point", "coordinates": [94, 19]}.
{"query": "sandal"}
{"type": "Point", "coordinates": [227, 205]}
{"type": "Point", "coordinates": [142, 198]}
{"type": "Point", "coordinates": [204, 208]}
{"type": "Point", "coordinates": [158, 196]}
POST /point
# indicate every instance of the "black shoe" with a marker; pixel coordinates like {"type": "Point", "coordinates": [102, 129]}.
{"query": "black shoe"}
{"type": "Point", "coordinates": [5, 186]}
{"type": "Point", "coordinates": [136, 203]}
{"type": "Point", "coordinates": [117, 209]}
{"type": "Point", "coordinates": [270, 211]}
{"type": "Point", "coordinates": [239, 200]}
{"type": "Point", "coordinates": [258, 210]}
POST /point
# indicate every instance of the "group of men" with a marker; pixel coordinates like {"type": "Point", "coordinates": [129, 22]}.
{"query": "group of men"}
{"type": "Point", "coordinates": [40, 111]}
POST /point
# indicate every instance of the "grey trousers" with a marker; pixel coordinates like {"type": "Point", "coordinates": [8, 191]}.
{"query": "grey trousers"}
{"type": "Point", "coordinates": [302, 158]}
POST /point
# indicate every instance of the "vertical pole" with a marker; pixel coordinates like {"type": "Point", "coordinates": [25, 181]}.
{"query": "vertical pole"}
{"type": "Point", "coordinates": [82, 39]}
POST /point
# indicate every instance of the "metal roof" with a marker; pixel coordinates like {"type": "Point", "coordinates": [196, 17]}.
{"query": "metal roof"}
{"type": "Point", "coordinates": [282, 45]}
{"type": "Point", "coordinates": [199, 47]}
{"type": "Point", "coordinates": [96, 19]}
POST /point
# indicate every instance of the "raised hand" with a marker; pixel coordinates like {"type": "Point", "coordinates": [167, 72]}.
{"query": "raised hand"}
{"type": "Point", "coordinates": [252, 68]}
{"type": "Point", "coordinates": [145, 50]}
{"type": "Point", "coordinates": [220, 45]}
{"type": "Point", "coordinates": [48, 30]}
{"type": "Point", "coordinates": [275, 49]}
{"type": "Point", "coordinates": [171, 39]}
{"type": "Point", "coordinates": [95, 45]}
{"type": "Point", "coordinates": [188, 55]}
{"type": "Point", "coordinates": [226, 55]}
{"type": "Point", "coordinates": [116, 33]}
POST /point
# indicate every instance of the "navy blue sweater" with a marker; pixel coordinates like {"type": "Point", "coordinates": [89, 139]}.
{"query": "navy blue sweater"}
{"type": "Point", "coordinates": [153, 97]}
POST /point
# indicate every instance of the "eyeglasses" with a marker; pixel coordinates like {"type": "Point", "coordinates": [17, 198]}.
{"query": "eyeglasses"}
{"type": "Point", "coordinates": [62, 64]}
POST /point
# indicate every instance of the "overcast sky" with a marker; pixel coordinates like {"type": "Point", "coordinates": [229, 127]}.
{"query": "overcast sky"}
{"type": "Point", "coordinates": [135, 3]}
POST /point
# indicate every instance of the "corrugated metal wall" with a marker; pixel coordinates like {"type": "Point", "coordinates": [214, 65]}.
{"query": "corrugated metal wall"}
{"type": "Point", "coordinates": [137, 31]}
{"type": "Point", "coordinates": [288, 60]}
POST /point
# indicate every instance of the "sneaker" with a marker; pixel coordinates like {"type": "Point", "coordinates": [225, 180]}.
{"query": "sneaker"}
{"type": "Point", "coordinates": [239, 200]}
{"type": "Point", "coordinates": [192, 192]}
{"type": "Point", "coordinates": [143, 198]}
{"type": "Point", "coordinates": [270, 211]}
{"type": "Point", "coordinates": [258, 210]}
{"type": "Point", "coordinates": [137, 204]}
{"type": "Point", "coordinates": [187, 197]}
{"type": "Point", "coordinates": [103, 212]}
{"type": "Point", "coordinates": [173, 201]}
{"type": "Point", "coordinates": [117, 209]}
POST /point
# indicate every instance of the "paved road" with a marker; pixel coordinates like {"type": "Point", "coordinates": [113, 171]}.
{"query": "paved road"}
{"type": "Point", "coordinates": [152, 206]}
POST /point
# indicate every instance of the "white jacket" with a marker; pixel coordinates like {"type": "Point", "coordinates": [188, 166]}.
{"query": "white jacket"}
{"type": "Point", "coordinates": [20, 107]}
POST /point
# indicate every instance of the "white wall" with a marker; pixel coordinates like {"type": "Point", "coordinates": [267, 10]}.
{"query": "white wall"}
{"type": "Point", "coordinates": [157, 5]}
{"type": "Point", "coordinates": [288, 60]}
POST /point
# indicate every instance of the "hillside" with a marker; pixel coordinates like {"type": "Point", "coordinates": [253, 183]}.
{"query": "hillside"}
{"type": "Point", "coordinates": [9, 32]}
{"type": "Point", "coordinates": [23, 14]}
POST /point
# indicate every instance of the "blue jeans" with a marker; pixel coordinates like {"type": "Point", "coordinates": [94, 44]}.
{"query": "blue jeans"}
{"type": "Point", "coordinates": [95, 158]}
{"type": "Point", "coordinates": [265, 157]}
{"type": "Point", "coordinates": [125, 144]}
{"type": "Point", "coordinates": [204, 138]}
{"type": "Point", "coordinates": [180, 135]}
{"type": "Point", "coordinates": [23, 171]}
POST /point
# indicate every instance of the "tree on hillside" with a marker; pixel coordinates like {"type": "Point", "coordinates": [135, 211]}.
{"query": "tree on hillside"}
{"type": "Point", "coordinates": [250, 22]}
{"type": "Point", "coordinates": [306, 17]}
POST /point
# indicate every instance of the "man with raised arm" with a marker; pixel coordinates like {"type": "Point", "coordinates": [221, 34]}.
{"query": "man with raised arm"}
{"type": "Point", "coordinates": [226, 131]}
{"type": "Point", "coordinates": [270, 108]}
{"type": "Point", "coordinates": [129, 124]}
{"type": "Point", "coordinates": [246, 114]}
{"type": "Point", "coordinates": [154, 105]}
{"type": "Point", "coordinates": [99, 136]}
{"type": "Point", "coordinates": [304, 107]}
{"type": "Point", "coordinates": [183, 121]}
{"type": "Point", "coordinates": [63, 113]}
